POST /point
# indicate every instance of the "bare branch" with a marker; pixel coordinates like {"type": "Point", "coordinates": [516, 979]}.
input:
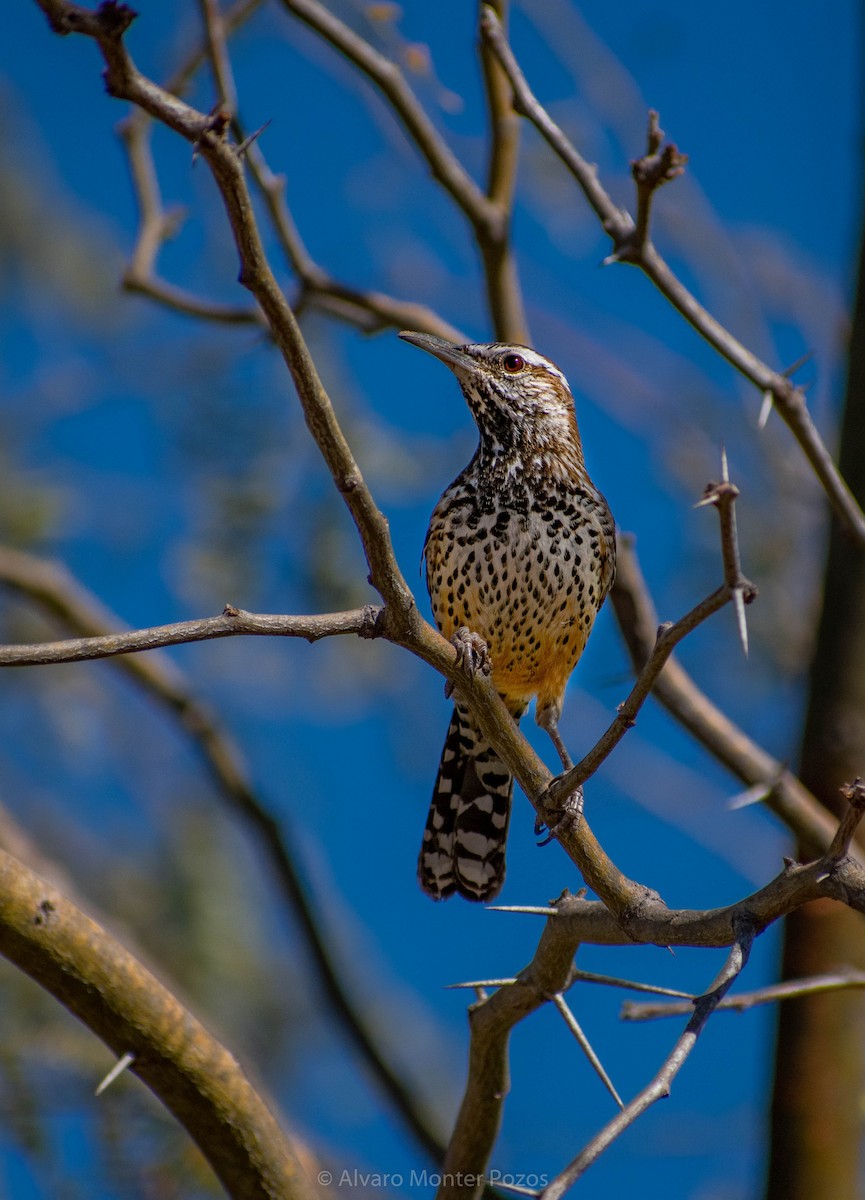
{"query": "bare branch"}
{"type": "Point", "coordinates": [214, 25]}
{"type": "Point", "coordinates": [488, 1083]}
{"type": "Point", "coordinates": [235, 15]}
{"type": "Point", "coordinates": [231, 622]}
{"type": "Point", "coordinates": [635, 247]}
{"type": "Point", "coordinates": [791, 989]}
{"type": "Point", "coordinates": [503, 289]}
{"type": "Point", "coordinates": [110, 991]}
{"type": "Point", "coordinates": [155, 224]}
{"type": "Point", "coordinates": [370, 310]}
{"type": "Point", "coordinates": [155, 227]}
{"type": "Point", "coordinates": [658, 166]}
{"type": "Point", "coordinates": [209, 135]}
{"type": "Point", "coordinates": [854, 794]}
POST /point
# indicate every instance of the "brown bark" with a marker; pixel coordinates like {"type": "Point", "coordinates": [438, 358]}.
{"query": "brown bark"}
{"type": "Point", "coordinates": [820, 1053]}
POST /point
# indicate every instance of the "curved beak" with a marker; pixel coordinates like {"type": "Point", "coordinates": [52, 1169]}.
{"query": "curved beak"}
{"type": "Point", "coordinates": [455, 356]}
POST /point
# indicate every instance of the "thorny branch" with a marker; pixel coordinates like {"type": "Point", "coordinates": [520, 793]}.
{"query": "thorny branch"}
{"type": "Point", "coordinates": [551, 972]}
{"type": "Point", "coordinates": [660, 1086]}
{"type": "Point", "coordinates": [632, 244]}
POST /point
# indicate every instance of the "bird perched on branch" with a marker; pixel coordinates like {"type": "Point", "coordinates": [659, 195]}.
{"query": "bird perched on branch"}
{"type": "Point", "coordinates": [520, 554]}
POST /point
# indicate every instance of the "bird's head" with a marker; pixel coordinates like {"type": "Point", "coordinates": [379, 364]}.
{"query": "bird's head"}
{"type": "Point", "coordinates": [515, 394]}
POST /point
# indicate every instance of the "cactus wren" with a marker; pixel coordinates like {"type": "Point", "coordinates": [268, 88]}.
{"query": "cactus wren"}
{"type": "Point", "coordinates": [521, 552]}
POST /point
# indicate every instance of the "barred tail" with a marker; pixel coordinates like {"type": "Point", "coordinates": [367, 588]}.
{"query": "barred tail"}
{"type": "Point", "coordinates": [463, 847]}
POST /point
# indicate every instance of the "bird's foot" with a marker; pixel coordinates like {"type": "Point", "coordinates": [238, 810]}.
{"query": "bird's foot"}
{"type": "Point", "coordinates": [565, 819]}
{"type": "Point", "coordinates": [473, 655]}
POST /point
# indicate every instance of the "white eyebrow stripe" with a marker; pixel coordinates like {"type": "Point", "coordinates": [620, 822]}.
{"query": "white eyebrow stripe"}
{"type": "Point", "coordinates": [531, 356]}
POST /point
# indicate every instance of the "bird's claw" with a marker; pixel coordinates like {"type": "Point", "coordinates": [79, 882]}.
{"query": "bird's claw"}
{"type": "Point", "coordinates": [567, 818]}
{"type": "Point", "coordinates": [473, 655]}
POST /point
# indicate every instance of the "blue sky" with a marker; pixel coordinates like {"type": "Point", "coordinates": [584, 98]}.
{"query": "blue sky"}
{"type": "Point", "coordinates": [125, 415]}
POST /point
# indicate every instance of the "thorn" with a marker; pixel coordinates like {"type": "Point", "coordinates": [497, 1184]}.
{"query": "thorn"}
{"type": "Point", "coordinates": [523, 908]}
{"type": "Point", "coordinates": [741, 620]}
{"type": "Point", "coordinates": [725, 469]}
{"type": "Point", "coordinates": [480, 983]}
{"type": "Point", "coordinates": [790, 371]}
{"type": "Point", "coordinates": [116, 1071]}
{"type": "Point", "coordinates": [574, 1026]}
{"type": "Point", "coordinates": [753, 795]}
{"type": "Point", "coordinates": [765, 410]}
{"type": "Point", "coordinates": [247, 142]}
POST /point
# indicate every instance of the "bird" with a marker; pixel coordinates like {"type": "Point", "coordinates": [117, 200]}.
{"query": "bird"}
{"type": "Point", "coordinates": [519, 556]}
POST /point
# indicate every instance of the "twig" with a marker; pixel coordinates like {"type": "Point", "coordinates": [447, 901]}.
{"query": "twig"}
{"type": "Point", "coordinates": [214, 25]}
{"type": "Point", "coordinates": [235, 15]}
{"type": "Point", "coordinates": [369, 310]}
{"type": "Point", "coordinates": [635, 247]}
{"type": "Point", "coordinates": [231, 622]}
{"type": "Point", "coordinates": [503, 290]}
{"type": "Point", "coordinates": [723, 496]}
{"type": "Point", "coordinates": [155, 226]}
{"type": "Point", "coordinates": [854, 794]}
{"type": "Point", "coordinates": [658, 166]}
{"type": "Point", "coordinates": [791, 989]}
{"type": "Point", "coordinates": [678, 693]}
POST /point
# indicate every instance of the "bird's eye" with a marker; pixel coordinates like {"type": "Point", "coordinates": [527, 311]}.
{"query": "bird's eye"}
{"type": "Point", "coordinates": [513, 363]}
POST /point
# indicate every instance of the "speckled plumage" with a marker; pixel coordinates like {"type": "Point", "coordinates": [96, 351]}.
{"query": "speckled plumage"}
{"type": "Point", "coordinates": [521, 551]}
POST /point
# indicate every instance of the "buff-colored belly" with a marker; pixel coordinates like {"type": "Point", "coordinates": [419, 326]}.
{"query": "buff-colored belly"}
{"type": "Point", "coordinates": [532, 597]}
